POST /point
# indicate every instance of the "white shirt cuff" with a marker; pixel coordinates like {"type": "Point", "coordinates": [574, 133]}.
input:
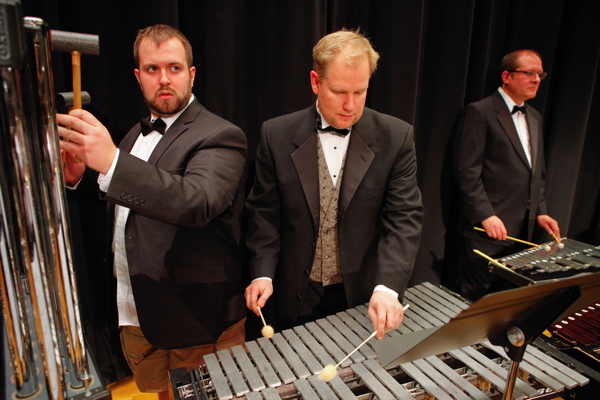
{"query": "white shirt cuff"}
{"type": "Point", "coordinates": [385, 289]}
{"type": "Point", "coordinates": [104, 180]}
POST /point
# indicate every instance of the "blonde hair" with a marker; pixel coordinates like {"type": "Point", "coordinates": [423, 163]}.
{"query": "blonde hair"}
{"type": "Point", "coordinates": [351, 45]}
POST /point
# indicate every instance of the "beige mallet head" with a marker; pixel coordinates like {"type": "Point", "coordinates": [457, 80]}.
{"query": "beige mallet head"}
{"type": "Point", "coordinates": [267, 330]}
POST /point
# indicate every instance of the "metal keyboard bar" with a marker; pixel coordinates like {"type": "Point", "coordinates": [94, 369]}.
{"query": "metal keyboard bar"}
{"type": "Point", "coordinates": [328, 344]}
{"type": "Point", "coordinates": [253, 396]}
{"type": "Point", "coordinates": [271, 394]}
{"type": "Point", "coordinates": [421, 292]}
{"type": "Point", "coordinates": [339, 340]}
{"type": "Point", "coordinates": [397, 389]}
{"type": "Point", "coordinates": [316, 348]}
{"type": "Point", "coordinates": [290, 356]}
{"type": "Point", "coordinates": [439, 379]}
{"type": "Point", "coordinates": [492, 378]}
{"type": "Point", "coordinates": [306, 390]}
{"type": "Point", "coordinates": [372, 383]}
{"type": "Point", "coordinates": [461, 382]}
{"type": "Point", "coordinates": [581, 380]}
{"type": "Point", "coordinates": [322, 388]}
{"type": "Point", "coordinates": [218, 379]}
{"type": "Point", "coordinates": [351, 336]}
{"type": "Point", "coordinates": [341, 389]}
{"type": "Point", "coordinates": [302, 351]}
{"type": "Point", "coordinates": [278, 362]}
{"type": "Point", "coordinates": [356, 328]}
{"type": "Point", "coordinates": [498, 370]}
{"type": "Point", "coordinates": [427, 384]}
{"type": "Point", "coordinates": [233, 374]}
{"type": "Point", "coordinates": [460, 304]}
{"type": "Point", "coordinates": [263, 365]}
{"type": "Point", "coordinates": [530, 369]}
{"type": "Point", "coordinates": [414, 300]}
{"type": "Point", "coordinates": [248, 369]}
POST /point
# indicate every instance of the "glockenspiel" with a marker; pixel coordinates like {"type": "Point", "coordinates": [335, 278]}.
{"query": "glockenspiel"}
{"type": "Point", "coordinates": [287, 365]}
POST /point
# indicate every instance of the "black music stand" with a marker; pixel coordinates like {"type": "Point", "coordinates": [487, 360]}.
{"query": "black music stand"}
{"type": "Point", "coordinates": [511, 319]}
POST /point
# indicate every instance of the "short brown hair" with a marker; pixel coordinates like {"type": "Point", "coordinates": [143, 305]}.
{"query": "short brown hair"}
{"type": "Point", "coordinates": [159, 34]}
{"type": "Point", "coordinates": [352, 45]}
{"type": "Point", "coordinates": [511, 60]}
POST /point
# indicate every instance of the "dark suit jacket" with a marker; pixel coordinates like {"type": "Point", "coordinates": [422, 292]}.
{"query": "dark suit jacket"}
{"type": "Point", "coordinates": [185, 267]}
{"type": "Point", "coordinates": [491, 168]}
{"type": "Point", "coordinates": [379, 214]}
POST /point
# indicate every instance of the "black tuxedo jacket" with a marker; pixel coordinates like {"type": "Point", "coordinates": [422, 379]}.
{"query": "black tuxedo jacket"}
{"type": "Point", "coordinates": [184, 262]}
{"type": "Point", "coordinates": [493, 175]}
{"type": "Point", "coordinates": [379, 215]}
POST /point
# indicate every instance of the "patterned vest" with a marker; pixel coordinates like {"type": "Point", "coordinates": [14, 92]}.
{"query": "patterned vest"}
{"type": "Point", "coordinates": [326, 266]}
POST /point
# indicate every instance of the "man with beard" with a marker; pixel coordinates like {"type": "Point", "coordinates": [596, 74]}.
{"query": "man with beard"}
{"type": "Point", "coordinates": [170, 186]}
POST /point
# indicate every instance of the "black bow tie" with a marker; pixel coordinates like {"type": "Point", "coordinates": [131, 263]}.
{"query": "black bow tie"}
{"type": "Point", "coordinates": [330, 128]}
{"type": "Point", "coordinates": [519, 108]}
{"type": "Point", "coordinates": [158, 125]}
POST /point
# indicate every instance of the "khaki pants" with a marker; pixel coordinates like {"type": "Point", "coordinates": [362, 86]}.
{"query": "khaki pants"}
{"type": "Point", "coordinates": [151, 374]}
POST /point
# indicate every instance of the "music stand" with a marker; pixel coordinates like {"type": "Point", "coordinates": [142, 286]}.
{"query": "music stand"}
{"type": "Point", "coordinates": [511, 319]}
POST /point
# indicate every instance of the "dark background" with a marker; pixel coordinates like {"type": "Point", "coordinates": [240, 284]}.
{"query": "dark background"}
{"type": "Point", "coordinates": [253, 59]}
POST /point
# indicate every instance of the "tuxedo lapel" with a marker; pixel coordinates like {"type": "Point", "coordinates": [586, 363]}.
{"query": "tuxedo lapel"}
{"type": "Point", "coordinates": [358, 161]}
{"type": "Point", "coordinates": [534, 133]}
{"type": "Point", "coordinates": [508, 125]}
{"type": "Point", "coordinates": [178, 127]}
{"type": "Point", "coordinates": [306, 162]}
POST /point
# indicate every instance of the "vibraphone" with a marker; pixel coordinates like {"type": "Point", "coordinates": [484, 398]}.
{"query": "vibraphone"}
{"type": "Point", "coordinates": [287, 365]}
{"type": "Point", "coordinates": [537, 264]}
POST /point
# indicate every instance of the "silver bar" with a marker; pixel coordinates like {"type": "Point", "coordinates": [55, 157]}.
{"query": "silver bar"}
{"type": "Point", "coordinates": [427, 384]}
{"type": "Point", "coordinates": [421, 292]}
{"type": "Point", "coordinates": [263, 365]}
{"type": "Point", "coordinates": [415, 301]}
{"type": "Point", "coordinates": [321, 387]}
{"type": "Point", "coordinates": [397, 389]}
{"type": "Point", "coordinates": [290, 356]}
{"type": "Point", "coordinates": [218, 379]}
{"type": "Point", "coordinates": [372, 383]}
{"type": "Point", "coordinates": [483, 360]}
{"type": "Point", "coordinates": [233, 373]}
{"type": "Point", "coordinates": [531, 369]}
{"type": "Point", "coordinates": [302, 351]}
{"type": "Point", "coordinates": [422, 317]}
{"type": "Point", "coordinates": [581, 380]}
{"type": "Point", "coordinates": [253, 396]}
{"type": "Point", "coordinates": [306, 390]}
{"type": "Point", "coordinates": [494, 379]}
{"type": "Point", "coordinates": [341, 389]}
{"type": "Point", "coordinates": [316, 349]}
{"type": "Point", "coordinates": [357, 328]}
{"type": "Point", "coordinates": [339, 339]}
{"type": "Point", "coordinates": [461, 382]}
{"type": "Point", "coordinates": [440, 380]}
{"type": "Point", "coordinates": [356, 341]}
{"type": "Point", "coordinates": [460, 304]}
{"type": "Point", "coordinates": [327, 343]}
{"type": "Point", "coordinates": [247, 368]}
{"type": "Point", "coordinates": [278, 362]}
{"type": "Point", "coordinates": [271, 394]}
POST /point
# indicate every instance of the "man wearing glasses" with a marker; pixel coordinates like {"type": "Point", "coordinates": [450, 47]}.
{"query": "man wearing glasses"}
{"type": "Point", "coordinates": [499, 168]}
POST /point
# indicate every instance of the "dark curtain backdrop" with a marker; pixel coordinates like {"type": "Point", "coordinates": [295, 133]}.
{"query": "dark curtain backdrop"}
{"type": "Point", "coordinates": [253, 59]}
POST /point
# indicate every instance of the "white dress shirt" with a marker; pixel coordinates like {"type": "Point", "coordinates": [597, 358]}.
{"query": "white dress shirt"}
{"type": "Point", "coordinates": [142, 149]}
{"type": "Point", "coordinates": [520, 120]}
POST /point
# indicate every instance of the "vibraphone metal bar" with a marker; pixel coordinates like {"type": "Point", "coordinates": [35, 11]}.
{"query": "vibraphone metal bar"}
{"type": "Point", "coordinates": [537, 264]}
{"type": "Point", "coordinates": [475, 372]}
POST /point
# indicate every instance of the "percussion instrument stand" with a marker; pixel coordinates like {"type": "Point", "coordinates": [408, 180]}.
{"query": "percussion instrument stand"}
{"type": "Point", "coordinates": [527, 327]}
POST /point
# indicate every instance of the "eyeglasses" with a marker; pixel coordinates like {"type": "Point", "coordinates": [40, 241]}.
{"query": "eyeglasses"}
{"type": "Point", "coordinates": [531, 74]}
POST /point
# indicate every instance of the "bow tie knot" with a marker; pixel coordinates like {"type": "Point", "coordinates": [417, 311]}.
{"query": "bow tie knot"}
{"type": "Point", "coordinates": [519, 108]}
{"type": "Point", "coordinates": [330, 128]}
{"type": "Point", "coordinates": [148, 127]}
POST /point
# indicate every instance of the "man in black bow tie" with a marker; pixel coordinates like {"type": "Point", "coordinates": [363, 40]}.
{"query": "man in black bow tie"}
{"type": "Point", "coordinates": [170, 186]}
{"type": "Point", "coordinates": [499, 168]}
{"type": "Point", "coordinates": [335, 213]}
